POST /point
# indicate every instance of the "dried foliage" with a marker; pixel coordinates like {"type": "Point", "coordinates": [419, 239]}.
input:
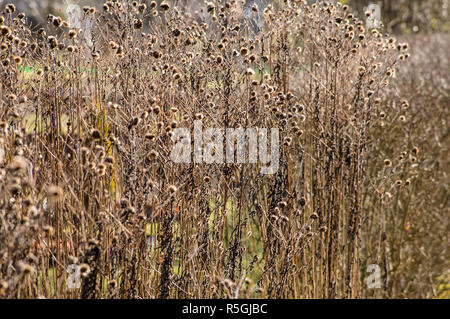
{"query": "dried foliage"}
{"type": "Point", "coordinates": [87, 179]}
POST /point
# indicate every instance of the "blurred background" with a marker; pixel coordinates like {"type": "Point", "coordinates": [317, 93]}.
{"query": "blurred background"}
{"type": "Point", "coordinates": [398, 16]}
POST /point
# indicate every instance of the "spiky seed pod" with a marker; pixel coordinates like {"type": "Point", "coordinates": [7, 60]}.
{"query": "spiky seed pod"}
{"type": "Point", "coordinates": [210, 7]}
{"type": "Point", "coordinates": [244, 51]}
{"type": "Point", "coordinates": [95, 134]}
{"type": "Point", "coordinates": [387, 162]}
{"type": "Point", "coordinates": [142, 7]}
{"type": "Point", "coordinates": [138, 24]}
{"type": "Point", "coordinates": [72, 34]}
{"type": "Point", "coordinates": [85, 269]}
{"type": "Point", "coordinates": [302, 202]}
{"type": "Point", "coordinates": [57, 22]}
{"type": "Point", "coordinates": [176, 32]}
{"type": "Point", "coordinates": [11, 8]}
{"type": "Point", "coordinates": [53, 42]}
{"type": "Point", "coordinates": [5, 31]}
{"type": "Point", "coordinates": [165, 6]}
{"type": "Point", "coordinates": [17, 60]}
{"type": "Point", "coordinates": [172, 190]}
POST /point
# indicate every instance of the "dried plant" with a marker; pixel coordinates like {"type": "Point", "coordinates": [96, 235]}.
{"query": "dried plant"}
{"type": "Point", "coordinates": [87, 177]}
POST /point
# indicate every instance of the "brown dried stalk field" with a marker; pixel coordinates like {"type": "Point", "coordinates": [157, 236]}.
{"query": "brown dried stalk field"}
{"type": "Point", "coordinates": [92, 204]}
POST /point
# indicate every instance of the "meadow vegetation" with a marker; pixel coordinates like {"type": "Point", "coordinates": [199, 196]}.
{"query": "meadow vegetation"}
{"type": "Point", "coordinates": [86, 176]}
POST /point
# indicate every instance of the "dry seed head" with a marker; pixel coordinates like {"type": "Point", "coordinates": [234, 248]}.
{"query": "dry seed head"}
{"type": "Point", "coordinates": [54, 193]}
{"type": "Point", "coordinates": [250, 72]}
{"type": "Point", "coordinates": [85, 270]}
{"type": "Point", "coordinates": [33, 212]}
{"type": "Point", "coordinates": [112, 284]}
{"type": "Point", "coordinates": [27, 202]}
{"type": "Point", "coordinates": [165, 6]}
{"type": "Point", "coordinates": [108, 160]}
{"type": "Point", "coordinates": [57, 22]}
{"type": "Point", "coordinates": [101, 166]}
{"type": "Point", "coordinates": [282, 204]}
{"type": "Point", "coordinates": [48, 230]}
{"type": "Point", "coordinates": [404, 103]}
{"type": "Point", "coordinates": [142, 7]}
{"type": "Point", "coordinates": [52, 41]}
{"type": "Point", "coordinates": [172, 189]}
{"type": "Point", "coordinates": [93, 242]}
{"type": "Point", "coordinates": [11, 7]}
{"type": "Point", "coordinates": [287, 141]}
{"type": "Point", "coordinates": [17, 60]}
{"type": "Point", "coordinates": [244, 51]}
{"type": "Point", "coordinates": [5, 31]}
{"type": "Point", "coordinates": [389, 72]}
{"type": "Point", "coordinates": [72, 34]}
{"type": "Point", "coordinates": [361, 70]}
{"type": "Point", "coordinates": [95, 134]}
{"type": "Point", "coordinates": [138, 24]}
{"type": "Point", "coordinates": [284, 219]}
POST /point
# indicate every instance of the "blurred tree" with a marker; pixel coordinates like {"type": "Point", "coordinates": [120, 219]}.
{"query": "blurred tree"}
{"type": "Point", "coordinates": [400, 16]}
